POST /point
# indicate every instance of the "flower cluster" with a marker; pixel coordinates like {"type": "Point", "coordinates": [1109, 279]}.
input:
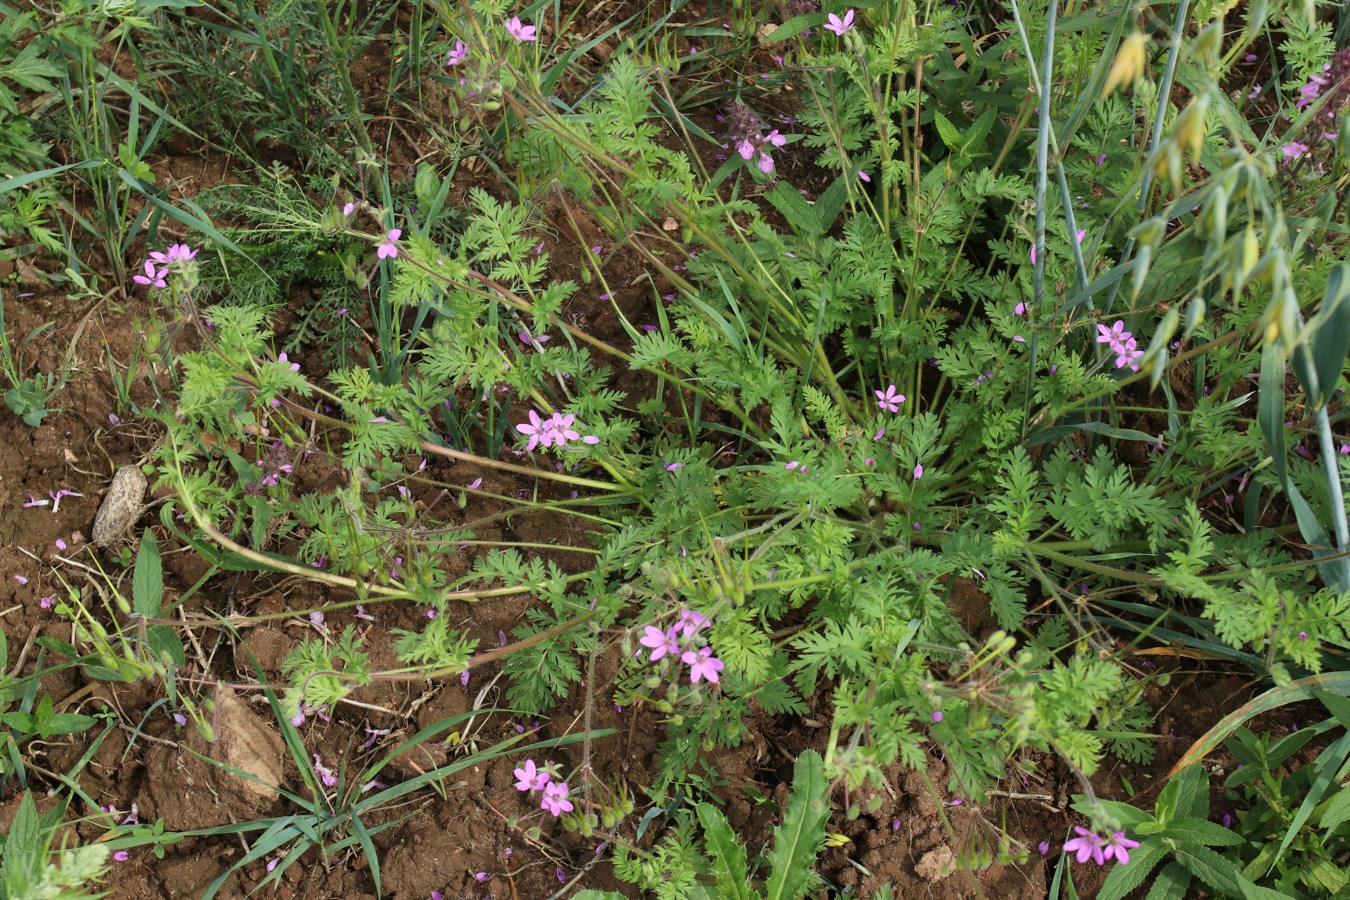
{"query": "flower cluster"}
{"type": "Point", "coordinates": [1089, 845]}
{"type": "Point", "coordinates": [156, 269]}
{"type": "Point", "coordinates": [554, 431]}
{"type": "Point", "coordinates": [746, 134]}
{"type": "Point", "coordinates": [1122, 344]}
{"type": "Point", "coordinates": [532, 778]}
{"type": "Point", "coordinates": [683, 638]}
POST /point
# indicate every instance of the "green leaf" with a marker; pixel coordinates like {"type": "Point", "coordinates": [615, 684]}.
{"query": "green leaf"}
{"type": "Point", "coordinates": [1331, 334]}
{"type": "Point", "coordinates": [1173, 880]}
{"type": "Point", "coordinates": [798, 839]}
{"type": "Point", "coordinates": [727, 855]}
{"type": "Point", "coordinates": [23, 850]}
{"type": "Point", "coordinates": [1270, 408]}
{"type": "Point", "coordinates": [147, 582]}
{"type": "Point", "coordinates": [1123, 879]}
{"type": "Point", "coordinates": [799, 214]}
{"type": "Point", "coordinates": [66, 723]}
{"type": "Point", "coordinates": [1336, 811]}
{"type": "Point", "coordinates": [1201, 831]}
{"type": "Point", "coordinates": [162, 640]}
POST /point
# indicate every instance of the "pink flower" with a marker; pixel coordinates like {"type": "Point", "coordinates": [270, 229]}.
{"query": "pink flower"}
{"type": "Point", "coordinates": [702, 664]}
{"type": "Point", "coordinates": [325, 774]}
{"type": "Point", "coordinates": [864, 176]}
{"type": "Point", "coordinates": [890, 399]}
{"type": "Point", "coordinates": [1127, 354]}
{"type": "Point", "coordinates": [1119, 845]}
{"type": "Point", "coordinates": [519, 31]}
{"type": "Point", "coordinates": [1114, 335]}
{"type": "Point", "coordinates": [840, 26]}
{"type": "Point", "coordinates": [121, 855]}
{"type": "Point", "coordinates": [746, 149]}
{"type": "Point", "coordinates": [918, 471]}
{"type": "Point", "coordinates": [153, 277]}
{"type": "Point", "coordinates": [388, 249]}
{"type": "Point", "coordinates": [1086, 845]}
{"type": "Point", "coordinates": [659, 642]}
{"type": "Point", "coordinates": [531, 778]}
{"type": "Point", "coordinates": [555, 798]}
{"type": "Point", "coordinates": [691, 623]}
{"type": "Point", "coordinates": [281, 358]}
{"type": "Point", "coordinates": [1293, 151]}
{"type": "Point", "coordinates": [776, 139]}
{"type": "Point", "coordinates": [177, 253]}
{"type": "Point", "coordinates": [458, 54]}
{"type": "Point", "coordinates": [538, 432]}
{"type": "Point", "coordinates": [765, 163]}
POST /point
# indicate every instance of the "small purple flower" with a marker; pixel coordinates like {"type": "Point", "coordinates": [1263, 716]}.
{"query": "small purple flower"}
{"type": "Point", "coordinates": [918, 471]}
{"type": "Point", "coordinates": [325, 774]}
{"type": "Point", "coordinates": [890, 399]}
{"type": "Point", "coordinates": [1044, 848]}
{"type": "Point", "coordinates": [1293, 151]}
{"type": "Point", "coordinates": [121, 855]}
{"type": "Point", "coordinates": [702, 664]}
{"type": "Point", "coordinates": [458, 54]}
{"type": "Point", "coordinates": [388, 249]}
{"type": "Point", "coordinates": [1087, 846]}
{"type": "Point", "coordinates": [840, 26]}
{"type": "Point", "coordinates": [1119, 846]}
{"type": "Point", "coordinates": [661, 643]}
{"type": "Point", "coordinates": [531, 778]}
{"type": "Point", "coordinates": [937, 715]}
{"type": "Point", "coordinates": [555, 798]}
{"type": "Point", "coordinates": [519, 31]}
{"type": "Point", "coordinates": [153, 277]}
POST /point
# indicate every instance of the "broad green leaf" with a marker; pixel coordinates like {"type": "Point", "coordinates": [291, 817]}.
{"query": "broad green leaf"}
{"type": "Point", "coordinates": [1201, 831]}
{"type": "Point", "coordinates": [1331, 337]}
{"type": "Point", "coordinates": [147, 581]}
{"type": "Point", "coordinates": [1336, 811]}
{"type": "Point", "coordinates": [1123, 879]}
{"type": "Point", "coordinates": [23, 850]}
{"type": "Point", "coordinates": [795, 209]}
{"type": "Point", "coordinates": [162, 640]}
{"type": "Point", "coordinates": [726, 855]}
{"type": "Point", "coordinates": [67, 723]}
{"type": "Point", "coordinates": [1173, 880]}
{"type": "Point", "coordinates": [1270, 407]}
{"type": "Point", "coordinates": [798, 839]}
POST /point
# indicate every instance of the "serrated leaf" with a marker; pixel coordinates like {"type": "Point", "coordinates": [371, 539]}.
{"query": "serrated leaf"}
{"type": "Point", "coordinates": [726, 855]}
{"type": "Point", "coordinates": [147, 581]}
{"type": "Point", "coordinates": [1336, 811]}
{"type": "Point", "coordinates": [1123, 879]}
{"type": "Point", "coordinates": [798, 839]}
{"type": "Point", "coordinates": [795, 209]}
{"type": "Point", "coordinates": [23, 849]}
{"type": "Point", "coordinates": [1172, 882]}
{"type": "Point", "coordinates": [1201, 831]}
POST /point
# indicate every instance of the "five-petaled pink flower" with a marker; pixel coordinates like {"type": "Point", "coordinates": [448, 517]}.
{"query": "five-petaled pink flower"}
{"type": "Point", "coordinates": [520, 31]}
{"type": "Point", "coordinates": [1119, 845]}
{"type": "Point", "coordinates": [1113, 335]}
{"type": "Point", "coordinates": [531, 778]}
{"type": "Point", "coordinates": [537, 431]}
{"type": "Point", "coordinates": [389, 250]}
{"type": "Point", "coordinates": [458, 54]}
{"type": "Point", "coordinates": [1087, 846]}
{"type": "Point", "coordinates": [702, 664]}
{"type": "Point", "coordinates": [840, 26]}
{"type": "Point", "coordinates": [177, 253]}
{"type": "Point", "coordinates": [890, 399]}
{"type": "Point", "coordinates": [153, 277]}
{"type": "Point", "coordinates": [555, 798]}
{"type": "Point", "coordinates": [659, 642]}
